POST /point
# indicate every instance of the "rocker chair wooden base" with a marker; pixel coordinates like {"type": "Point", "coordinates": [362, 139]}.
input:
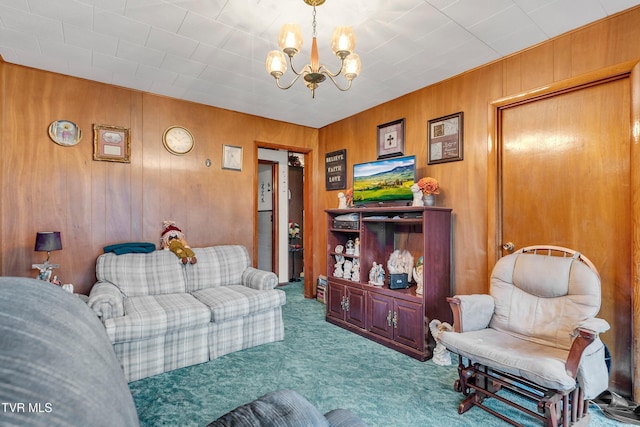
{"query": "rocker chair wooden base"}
{"type": "Point", "coordinates": [479, 382]}
{"type": "Point", "coordinates": [532, 343]}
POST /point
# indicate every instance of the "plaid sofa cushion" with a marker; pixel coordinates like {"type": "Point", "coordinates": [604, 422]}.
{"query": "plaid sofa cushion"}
{"type": "Point", "coordinates": [155, 273]}
{"type": "Point", "coordinates": [152, 315]}
{"type": "Point", "coordinates": [217, 266]}
{"type": "Point", "coordinates": [229, 302]}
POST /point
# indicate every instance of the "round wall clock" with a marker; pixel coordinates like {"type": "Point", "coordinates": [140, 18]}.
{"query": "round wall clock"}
{"type": "Point", "coordinates": [178, 140]}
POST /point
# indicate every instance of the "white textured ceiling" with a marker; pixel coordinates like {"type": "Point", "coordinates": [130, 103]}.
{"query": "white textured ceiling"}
{"type": "Point", "coordinates": [212, 51]}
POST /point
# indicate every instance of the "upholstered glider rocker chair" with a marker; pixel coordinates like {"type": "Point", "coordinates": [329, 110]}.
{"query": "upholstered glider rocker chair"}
{"type": "Point", "coordinates": [535, 335]}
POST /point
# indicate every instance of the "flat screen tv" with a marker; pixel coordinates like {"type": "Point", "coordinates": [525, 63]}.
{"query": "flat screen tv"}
{"type": "Point", "coordinates": [386, 181]}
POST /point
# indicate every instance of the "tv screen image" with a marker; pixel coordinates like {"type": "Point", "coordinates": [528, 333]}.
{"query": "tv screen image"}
{"type": "Point", "coordinates": [384, 181]}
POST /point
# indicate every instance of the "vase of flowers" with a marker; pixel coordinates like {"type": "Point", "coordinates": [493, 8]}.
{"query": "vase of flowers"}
{"type": "Point", "coordinates": [429, 187]}
{"type": "Point", "coordinates": [294, 230]}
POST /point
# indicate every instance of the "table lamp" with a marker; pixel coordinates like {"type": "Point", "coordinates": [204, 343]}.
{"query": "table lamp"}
{"type": "Point", "coordinates": [47, 241]}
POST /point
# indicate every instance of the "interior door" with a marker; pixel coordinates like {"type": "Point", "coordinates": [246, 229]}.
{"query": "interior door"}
{"type": "Point", "coordinates": [565, 180]}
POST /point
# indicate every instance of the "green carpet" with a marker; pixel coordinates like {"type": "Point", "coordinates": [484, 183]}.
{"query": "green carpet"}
{"type": "Point", "coordinates": [331, 367]}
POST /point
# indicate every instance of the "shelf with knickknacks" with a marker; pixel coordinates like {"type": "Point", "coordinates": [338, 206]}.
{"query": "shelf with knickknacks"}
{"type": "Point", "coordinates": [386, 306]}
{"type": "Point", "coordinates": [424, 192]}
{"type": "Point", "coordinates": [347, 264]}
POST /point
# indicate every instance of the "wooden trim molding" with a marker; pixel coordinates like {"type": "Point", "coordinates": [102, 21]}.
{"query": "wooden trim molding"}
{"type": "Point", "coordinates": [635, 227]}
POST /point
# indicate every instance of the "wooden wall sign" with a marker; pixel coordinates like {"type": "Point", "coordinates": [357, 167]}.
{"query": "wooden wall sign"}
{"type": "Point", "coordinates": [335, 164]}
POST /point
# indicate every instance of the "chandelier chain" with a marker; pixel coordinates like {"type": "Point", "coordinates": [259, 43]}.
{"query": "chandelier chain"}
{"type": "Point", "coordinates": [314, 21]}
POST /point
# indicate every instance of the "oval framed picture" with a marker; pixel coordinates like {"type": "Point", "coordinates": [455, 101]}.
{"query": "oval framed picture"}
{"type": "Point", "coordinates": [65, 133]}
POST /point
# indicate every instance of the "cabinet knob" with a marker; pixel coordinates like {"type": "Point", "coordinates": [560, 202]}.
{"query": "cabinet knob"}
{"type": "Point", "coordinates": [395, 320]}
{"type": "Point", "coordinates": [389, 318]}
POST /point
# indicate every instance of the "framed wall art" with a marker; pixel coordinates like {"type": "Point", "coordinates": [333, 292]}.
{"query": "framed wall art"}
{"type": "Point", "coordinates": [391, 139]}
{"type": "Point", "coordinates": [111, 144]}
{"type": "Point", "coordinates": [65, 133]}
{"type": "Point", "coordinates": [335, 164]}
{"type": "Point", "coordinates": [232, 157]}
{"type": "Point", "coordinates": [445, 139]}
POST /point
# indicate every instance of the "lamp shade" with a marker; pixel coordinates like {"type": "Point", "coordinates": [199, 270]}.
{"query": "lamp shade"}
{"type": "Point", "coordinates": [47, 241]}
{"type": "Point", "coordinates": [343, 41]}
{"type": "Point", "coordinates": [352, 66]}
{"type": "Point", "coordinates": [276, 63]}
{"type": "Point", "coordinates": [290, 38]}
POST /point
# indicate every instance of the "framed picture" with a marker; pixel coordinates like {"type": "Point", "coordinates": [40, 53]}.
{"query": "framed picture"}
{"type": "Point", "coordinates": [65, 133]}
{"type": "Point", "coordinates": [391, 139]}
{"type": "Point", "coordinates": [335, 164]}
{"type": "Point", "coordinates": [111, 144]}
{"type": "Point", "coordinates": [232, 157]}
{"type": "Point", "coordinates": [445, 139]}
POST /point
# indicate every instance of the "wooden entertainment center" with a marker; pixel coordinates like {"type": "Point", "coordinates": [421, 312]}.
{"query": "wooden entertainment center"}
{"type": "Point", "coordinates": [396, 318]}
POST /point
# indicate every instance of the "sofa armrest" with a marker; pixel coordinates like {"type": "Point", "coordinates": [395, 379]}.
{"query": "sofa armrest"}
{"type": "Point", "coordinates": [471, 312]}
{"type": "Point", "coordinates": [259, 279]}
{"type": "Point", "coordinates": [106, 300]}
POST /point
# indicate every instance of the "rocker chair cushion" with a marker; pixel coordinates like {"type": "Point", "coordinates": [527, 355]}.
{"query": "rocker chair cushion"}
{"type": "Point", "coordinates": [537, 363]}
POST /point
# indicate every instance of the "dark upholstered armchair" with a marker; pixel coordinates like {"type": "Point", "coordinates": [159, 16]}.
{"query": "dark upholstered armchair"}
{"type": "Point", "coordinates": [535, 334]}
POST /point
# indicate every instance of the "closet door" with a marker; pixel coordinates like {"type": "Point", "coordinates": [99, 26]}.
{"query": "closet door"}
{"type": "Point", "coordinates": [565, 181]}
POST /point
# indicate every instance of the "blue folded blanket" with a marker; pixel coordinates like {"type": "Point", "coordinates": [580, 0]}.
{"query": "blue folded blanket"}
{"type": "Point", "coordinates": [130, 248]}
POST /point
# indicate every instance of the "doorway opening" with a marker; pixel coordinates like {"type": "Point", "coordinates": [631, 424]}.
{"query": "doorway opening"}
{"type": "Point", "coordinates": [282, 226]}
{"type": "Point", "coordinates": [296, 216]}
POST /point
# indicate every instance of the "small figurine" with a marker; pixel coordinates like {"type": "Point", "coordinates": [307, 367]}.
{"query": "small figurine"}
{"type": "Point", "coordinates": [173, 240]}
{"type": "Point", "coordinates": [350, 247]}
{"type": "Point", "coordinates": [441, 355]}
{"type": "Point", "coordinates": [347, 267]}
{"type": "Point", "coordinates": [338, 272]}
{"type": "Point", "coordinates": [355, 271]}
{"type": "Point", "coordinates": [401, 262]}
{"type": "Point", "coordinates": [417, 275]}
{"type": "Point", "coordinates": [417, 195]}
{"type": "Point", "coordinates": [356, 247]}
{"type": "Point", "coordinates": [376, 275]}
{"type": "Point", "coordinates": [342, 201]}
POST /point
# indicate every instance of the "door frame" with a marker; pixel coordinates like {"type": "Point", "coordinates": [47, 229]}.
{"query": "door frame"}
{"type": "Point", "coordinates": [308, 216]}
{"type": "Point", "coordinates": [630, 70]}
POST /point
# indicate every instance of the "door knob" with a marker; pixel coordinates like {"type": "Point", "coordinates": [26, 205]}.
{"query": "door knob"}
{"type": "Point", "coordinates": [509, 246]}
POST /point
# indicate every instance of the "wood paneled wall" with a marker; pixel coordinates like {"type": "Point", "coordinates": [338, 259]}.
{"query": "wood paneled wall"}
{"type": "Point", "coordinates": [464, 184]}
{"type": "Point", "coordinates": [49, 187]}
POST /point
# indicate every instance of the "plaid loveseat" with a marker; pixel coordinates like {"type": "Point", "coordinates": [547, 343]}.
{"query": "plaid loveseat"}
{"type": "Point", "coordinates": [162, 315]}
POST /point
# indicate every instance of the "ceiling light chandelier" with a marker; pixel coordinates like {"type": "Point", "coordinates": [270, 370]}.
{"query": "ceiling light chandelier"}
{"type": "Point", "coordinates": [343, 43]}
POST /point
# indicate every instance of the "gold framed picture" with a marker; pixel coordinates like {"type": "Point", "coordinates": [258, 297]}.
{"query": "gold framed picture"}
{"type": "Point", "coordinates": [111, 144]}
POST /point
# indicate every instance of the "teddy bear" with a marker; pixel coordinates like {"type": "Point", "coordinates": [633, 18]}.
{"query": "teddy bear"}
{"type": "Point", "coordinates": [173, 240]}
